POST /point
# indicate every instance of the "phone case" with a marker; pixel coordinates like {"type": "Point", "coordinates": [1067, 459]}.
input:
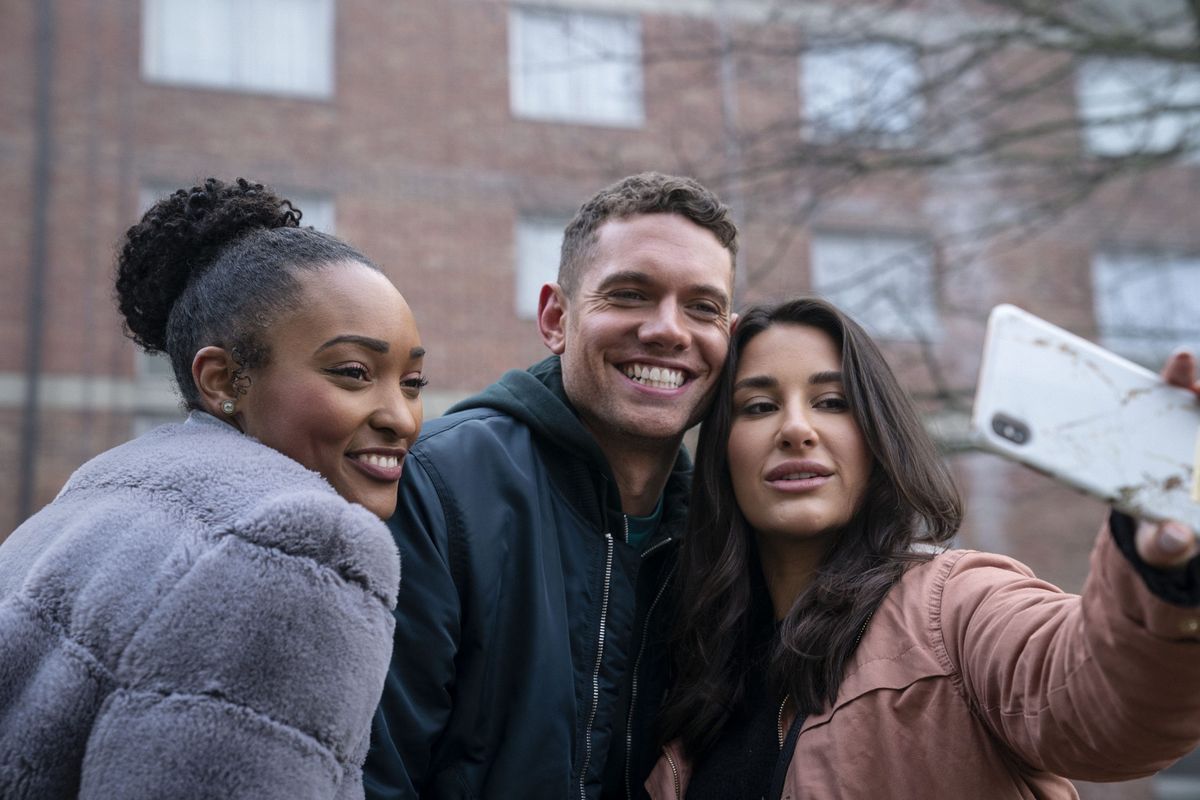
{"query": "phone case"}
{"type": "Point", "coordinates": [1087, 417]}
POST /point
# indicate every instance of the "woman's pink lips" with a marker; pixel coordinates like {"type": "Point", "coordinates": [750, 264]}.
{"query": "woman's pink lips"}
{"type": "Point", "coordinates": [801, 485]}
{"type": "Point", "coordinates": [798, 467]}
{"type": "Point", "coordinates": [816, 475]}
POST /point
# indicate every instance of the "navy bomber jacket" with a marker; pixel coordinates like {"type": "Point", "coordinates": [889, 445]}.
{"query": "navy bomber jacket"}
{"type": "Point", "coordinates": [528, 660]}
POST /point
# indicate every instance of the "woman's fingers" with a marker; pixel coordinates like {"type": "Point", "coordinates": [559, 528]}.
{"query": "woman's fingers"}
{"type": "Point", "coordinates": [1166, 544]}
{"type": "Point", "coordinates": [1180, 370]}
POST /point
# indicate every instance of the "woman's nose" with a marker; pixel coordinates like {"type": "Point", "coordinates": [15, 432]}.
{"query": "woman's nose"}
{"type": "Point", "coordinates": [400, 414]}
{"type": "Point", "coordinates": [796, 429]}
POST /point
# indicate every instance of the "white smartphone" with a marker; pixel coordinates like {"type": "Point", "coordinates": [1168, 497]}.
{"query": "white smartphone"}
{"type": "Point", "coordinates": [1088, 418]}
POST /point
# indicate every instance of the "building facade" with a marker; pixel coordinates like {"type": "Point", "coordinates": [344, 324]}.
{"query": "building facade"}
{"type": "Point", "coordinates": [450, 140]}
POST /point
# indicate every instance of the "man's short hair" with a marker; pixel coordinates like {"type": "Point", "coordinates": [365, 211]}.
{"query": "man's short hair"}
{"type": "Point", "coordinates": [647, 193]}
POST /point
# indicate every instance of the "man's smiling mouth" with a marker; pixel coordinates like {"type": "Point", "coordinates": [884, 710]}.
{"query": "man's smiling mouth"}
{"type": "Point", "coordinates": [654, 377]}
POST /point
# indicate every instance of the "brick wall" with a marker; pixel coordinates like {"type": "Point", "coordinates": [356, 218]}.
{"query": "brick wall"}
{"type": "Point", "coordinates": [430, 170]}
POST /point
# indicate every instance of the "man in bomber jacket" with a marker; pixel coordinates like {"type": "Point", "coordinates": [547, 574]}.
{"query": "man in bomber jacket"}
{"type": "Point", "coordinates": [538, 520]}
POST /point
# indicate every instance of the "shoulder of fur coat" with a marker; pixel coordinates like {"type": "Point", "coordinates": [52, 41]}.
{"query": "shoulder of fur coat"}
{"type": "Point", "coordinates": [235, 485]}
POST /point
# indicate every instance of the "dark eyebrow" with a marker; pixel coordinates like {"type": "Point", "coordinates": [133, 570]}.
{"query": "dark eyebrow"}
{"type": "Point", "coordinates": [767, 382]}
{"type": "Point", "coordinates": [642, 279]}
{"type": "Point", "coordinates": [756, 382]}
{"type": "Point", "coordinates": [829, 376]}
{"type": "Point", "coordinates": [416, 352]}
{"type": "Point", "coordinates": [378, 345]}
{"type": "Point", "coordinates": [625, 276]}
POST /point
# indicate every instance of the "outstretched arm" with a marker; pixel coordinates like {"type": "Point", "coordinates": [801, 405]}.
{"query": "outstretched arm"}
{"type": "Point", "coordinates": [1168, 545]}
{"type": "Point", "coordinates": [1075, 685]}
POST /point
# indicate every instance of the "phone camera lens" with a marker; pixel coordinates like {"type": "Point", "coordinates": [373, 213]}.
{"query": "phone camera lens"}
{"type": "Point", "coordinates": [1011, 429]}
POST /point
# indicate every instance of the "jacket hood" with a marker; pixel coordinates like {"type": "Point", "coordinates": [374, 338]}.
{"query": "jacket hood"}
{"type": "Point", "coordinates": [536, 397]}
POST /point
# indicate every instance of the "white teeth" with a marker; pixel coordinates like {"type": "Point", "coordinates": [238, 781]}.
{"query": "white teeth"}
{"type": "Point", "coordinates": [798, 476]}
{"type": "Point", "coordinates": [387, 462]}
{"type": "Point", "coordinates": [656, 377]}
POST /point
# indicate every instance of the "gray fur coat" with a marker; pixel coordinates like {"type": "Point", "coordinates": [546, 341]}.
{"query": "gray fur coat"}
{"type": "Point", "coordinates": [194, 616]}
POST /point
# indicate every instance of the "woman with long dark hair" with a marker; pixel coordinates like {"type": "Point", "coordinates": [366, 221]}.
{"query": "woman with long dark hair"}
{"type": "Point", "coordinates": [827, 648]}
{"type": "Point", "coordinates": [205, 611]}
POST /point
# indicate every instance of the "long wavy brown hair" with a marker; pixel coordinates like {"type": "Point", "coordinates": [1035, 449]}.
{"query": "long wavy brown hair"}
{"type": "Point", "coordinates": [721, 595]}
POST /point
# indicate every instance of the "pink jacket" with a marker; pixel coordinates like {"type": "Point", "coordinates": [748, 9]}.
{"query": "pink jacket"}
{"type": "Point", "coordinates": [977, 680]}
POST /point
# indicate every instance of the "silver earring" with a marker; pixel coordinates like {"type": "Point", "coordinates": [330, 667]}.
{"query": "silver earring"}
{"type": "Point", "coordinates": [227, 406]}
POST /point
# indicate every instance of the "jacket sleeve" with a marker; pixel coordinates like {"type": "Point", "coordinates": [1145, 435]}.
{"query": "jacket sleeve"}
{"type": "Point", "coordinates": [418, 692]}
{"type": "Point", "coordinates": [257, 669]}
{"type": "Point", "coordinates": [1098, 687]}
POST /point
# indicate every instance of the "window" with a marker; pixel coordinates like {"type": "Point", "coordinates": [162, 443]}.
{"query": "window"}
{"type": "Point", "coordinates": [885, 282]}
{"type": "Point", "coordinates": [1131, 105]}
{"type": "Point", "coordinates": [1146, 303]}
{"type": "Point", "coordinates": [276, 46]}
{"type": "Point", "coordinates": [572, 66]}
{"type": "Point", "coordinates": [156, 367]}
{"type": "Point", "coordinates": [867, 93]}
{"type": "Point", "coordinates": [1153, 20]}
{"type": "Point", "coordinates": [539, 245]}
{"type": "Point", "coordinates": [157, 398]}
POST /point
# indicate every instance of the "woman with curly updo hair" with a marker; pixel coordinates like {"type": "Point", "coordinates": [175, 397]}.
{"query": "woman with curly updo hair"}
{"type": "Point", "coordinates": [205, 612]}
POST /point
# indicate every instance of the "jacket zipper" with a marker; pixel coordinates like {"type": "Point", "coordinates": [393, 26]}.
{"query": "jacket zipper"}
{"type": "Point", "coordinates": [659, 545]}
{"type": "Point", "coordinates": [674, 774]}
{"type": "Point", "coordinates": [637, 663]}
{"type": "Point", "coordinates": [786, 697]}
{"type": "Point", "coordinates": [587, 734]}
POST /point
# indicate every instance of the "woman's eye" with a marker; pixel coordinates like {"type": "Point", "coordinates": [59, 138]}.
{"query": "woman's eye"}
{"type": "Point", "coordinates": [414, 385]}
{"type": "Point", "coordinates": [355, 372]}
{"type": "Point", "coordinates": [757, 408]}
{"type": "Point", "coordinates": [833, 403]}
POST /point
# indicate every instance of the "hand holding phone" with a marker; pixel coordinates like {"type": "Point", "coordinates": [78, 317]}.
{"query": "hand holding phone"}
{"type": "Point", "coordinates": [1166, 545]}
{"type": "Point", "coordinates": [1089, 418]}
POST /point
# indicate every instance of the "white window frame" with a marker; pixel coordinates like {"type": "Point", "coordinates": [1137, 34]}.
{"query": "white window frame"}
{"type": "Point", "coordinates": [1116, 98]}
{"type": "Point", "coordinates": [884, 281]}
{"type": "Point", "coordinates": [865, 93]}
{"type": "Point", "coordinates": [575, 66]}
{"type": "Point", "coordinates": [1145, 302]}
{"type": "Point", "coordinates": [283, 47]}
{"type": "Point", "coordinates": [537, 245]}
{"type": "Point", "coordinates": [157, 393]}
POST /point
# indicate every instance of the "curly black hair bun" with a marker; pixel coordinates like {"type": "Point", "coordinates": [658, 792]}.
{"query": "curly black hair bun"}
{"type": "Point", "coordinates": [178, 238]}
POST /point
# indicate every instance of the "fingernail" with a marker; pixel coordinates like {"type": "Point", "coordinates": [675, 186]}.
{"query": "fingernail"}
{"type": "Point", "coordinates": [1173, 539]}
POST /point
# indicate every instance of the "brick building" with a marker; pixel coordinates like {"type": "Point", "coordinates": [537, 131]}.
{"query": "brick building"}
{"type": "Point", "coordinates": [451, 139]}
